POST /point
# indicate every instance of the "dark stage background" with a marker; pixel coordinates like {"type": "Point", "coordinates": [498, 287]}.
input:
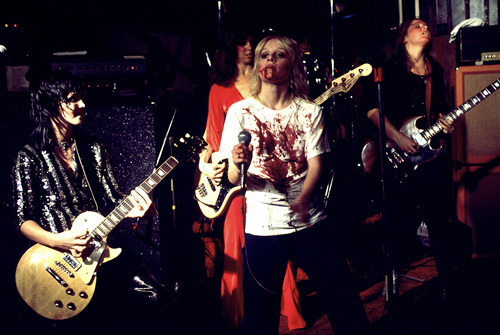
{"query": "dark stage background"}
{"type": "Point", "coordinates": [161, 49]}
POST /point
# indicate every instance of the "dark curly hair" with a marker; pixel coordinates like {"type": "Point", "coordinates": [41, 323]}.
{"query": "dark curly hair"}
{"type": "Point", "coordinates": [47, 95]}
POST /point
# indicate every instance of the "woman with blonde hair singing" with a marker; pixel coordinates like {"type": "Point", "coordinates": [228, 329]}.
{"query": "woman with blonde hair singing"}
{"type": "Point", "coordinates": [285, 218]}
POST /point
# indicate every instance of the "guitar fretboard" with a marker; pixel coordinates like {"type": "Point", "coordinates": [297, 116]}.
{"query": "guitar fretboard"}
{"type": "Point", "coordinates": [462, 109]}
{"type": "Point", "coordinates": [126, 205]}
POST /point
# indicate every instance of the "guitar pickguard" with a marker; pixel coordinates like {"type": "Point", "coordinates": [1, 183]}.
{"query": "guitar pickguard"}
{"type": "Point", "coordinates": [213, 199]}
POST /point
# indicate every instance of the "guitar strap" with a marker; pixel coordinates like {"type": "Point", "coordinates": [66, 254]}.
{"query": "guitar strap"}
{"type": "Point", "coordinates": [84, 154]}
{"type": "Point", "coordinates": [428, 89]}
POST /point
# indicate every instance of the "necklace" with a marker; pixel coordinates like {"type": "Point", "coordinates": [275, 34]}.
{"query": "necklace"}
{"type": "Point", "coordinates": [65, 144]}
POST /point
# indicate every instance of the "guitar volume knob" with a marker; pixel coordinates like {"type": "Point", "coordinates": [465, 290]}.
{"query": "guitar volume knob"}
{"type": "Point", "coordinates": [58, 303]}
{"type": "Point", "coordinates": [83, 295]}
{"type": "Point", "coordinates": [71, 306]}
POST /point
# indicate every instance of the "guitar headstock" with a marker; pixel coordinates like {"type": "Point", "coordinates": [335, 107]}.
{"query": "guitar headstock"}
{"type": "Point", "coordinates": [347, 81]}
{"type": "Point", "coordinates": [187, 147]}
{"type": "Point", "coordinates": [363, 70]}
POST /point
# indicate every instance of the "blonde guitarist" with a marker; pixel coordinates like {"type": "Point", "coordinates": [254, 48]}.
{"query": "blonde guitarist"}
{"type": "Point", "coordinates": [63, 181]}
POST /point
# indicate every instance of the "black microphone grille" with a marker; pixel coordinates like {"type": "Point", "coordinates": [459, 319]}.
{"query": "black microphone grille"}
{"type": "Point", "coordinates": [244, 137]}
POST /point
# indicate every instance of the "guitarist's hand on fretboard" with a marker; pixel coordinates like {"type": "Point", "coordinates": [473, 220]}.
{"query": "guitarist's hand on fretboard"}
{"type": "Point", "coordinates": [447, 125]}
{"type": "Point", "coordinates": [142, 204]}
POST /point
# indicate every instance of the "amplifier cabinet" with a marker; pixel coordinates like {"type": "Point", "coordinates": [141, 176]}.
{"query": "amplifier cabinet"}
{"type": "Point", "coordinates": [476, 153]}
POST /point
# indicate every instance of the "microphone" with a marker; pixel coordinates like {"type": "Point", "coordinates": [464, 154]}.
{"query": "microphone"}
{"type": "Point", "coordinates": [244, 137]}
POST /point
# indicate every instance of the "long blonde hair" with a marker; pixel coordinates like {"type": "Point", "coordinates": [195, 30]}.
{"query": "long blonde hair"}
{"type": "Point", "coordinates": [297, 83]}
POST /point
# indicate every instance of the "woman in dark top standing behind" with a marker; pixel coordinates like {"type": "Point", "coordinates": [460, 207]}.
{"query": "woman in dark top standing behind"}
{"type": "Point", "coordinates": [414, 85]}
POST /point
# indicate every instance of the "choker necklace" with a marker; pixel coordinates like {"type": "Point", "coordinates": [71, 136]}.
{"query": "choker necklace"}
{"type": "Point", "coordinates": [65, 144]}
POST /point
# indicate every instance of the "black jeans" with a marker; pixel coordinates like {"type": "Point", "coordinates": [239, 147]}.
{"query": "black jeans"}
{"type": "Point", "coordinates": [315, 250]}
{"type": "Point", "coordinates": [426, 195]}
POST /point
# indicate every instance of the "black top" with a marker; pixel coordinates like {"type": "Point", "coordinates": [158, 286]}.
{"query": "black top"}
{"type": "Point", "coordinates": [403, 93]}
{"type": "Point", "coordinates": [46, 193]}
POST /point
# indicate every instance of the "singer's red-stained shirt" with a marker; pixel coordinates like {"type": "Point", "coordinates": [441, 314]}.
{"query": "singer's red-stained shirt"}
{"type": "Point", "coordinates": [283, 141]}
{"type": "Point", "coordinates": [220, 99]}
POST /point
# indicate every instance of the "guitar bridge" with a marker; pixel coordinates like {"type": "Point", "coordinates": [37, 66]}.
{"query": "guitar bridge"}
{"type": "Point", "coordinates": [56, 277]}
{"type": "Point", "coordinates": [395, 158]}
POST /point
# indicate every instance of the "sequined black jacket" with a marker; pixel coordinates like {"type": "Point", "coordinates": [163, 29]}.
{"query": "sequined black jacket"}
{"type": "Point", "coordinates": [46, 193]}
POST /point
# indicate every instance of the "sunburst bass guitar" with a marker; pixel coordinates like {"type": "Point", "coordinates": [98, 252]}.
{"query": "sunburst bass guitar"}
{"type": "Point", "coordinates": [59, 286]}
{"type": "Point", "coordinates": [213, 199]}
{"type": "Point", "coordinates": [403, 164]}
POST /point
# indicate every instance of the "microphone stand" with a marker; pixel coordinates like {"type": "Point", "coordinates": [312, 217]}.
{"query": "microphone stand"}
{"type": "Point", "coordinates": [332, 64]}
{"type": "Point", "coordinates": [176, 284]}
{"type": "Point", "coordinates": [174, 216]}
{"type": "Point", "coordinates": [387, 250]}
{"type": "Point", "coordinates": [244, 137]}
{"type": "Point", "coordinates": [165, 139]}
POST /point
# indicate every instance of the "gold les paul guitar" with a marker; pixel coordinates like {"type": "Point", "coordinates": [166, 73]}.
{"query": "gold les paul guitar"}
{"type": "Point", "coordinates": [57, 285]}
{"type": "Point", "coordinates": [213, 199]}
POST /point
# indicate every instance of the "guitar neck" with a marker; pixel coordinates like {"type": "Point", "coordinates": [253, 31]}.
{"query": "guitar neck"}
{"type": "Point", "coordinates": [327, 94]}
{"type": "Point", "coordinates": [344, 83]}
{"type": "Point", "coordinates": [462, 109]}
{"type": "Point", "coordinates": [126, 205]}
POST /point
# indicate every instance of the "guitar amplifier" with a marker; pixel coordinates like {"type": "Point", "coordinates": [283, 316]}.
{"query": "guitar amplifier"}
{"type": "Point", "coordinates": [473, 41]}
{"type": "Point", "coordinates": [476, 154]}
{"type": "Point", "coordinates": [119, 82]}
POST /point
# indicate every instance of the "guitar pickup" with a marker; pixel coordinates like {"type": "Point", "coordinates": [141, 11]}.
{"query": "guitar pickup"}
{"type": "Point", "coordinates": [65, 269]}
{"type": "Point", "coordinates": [68, 258]}
{"type": "Point", "coordinates": [202, 190]}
